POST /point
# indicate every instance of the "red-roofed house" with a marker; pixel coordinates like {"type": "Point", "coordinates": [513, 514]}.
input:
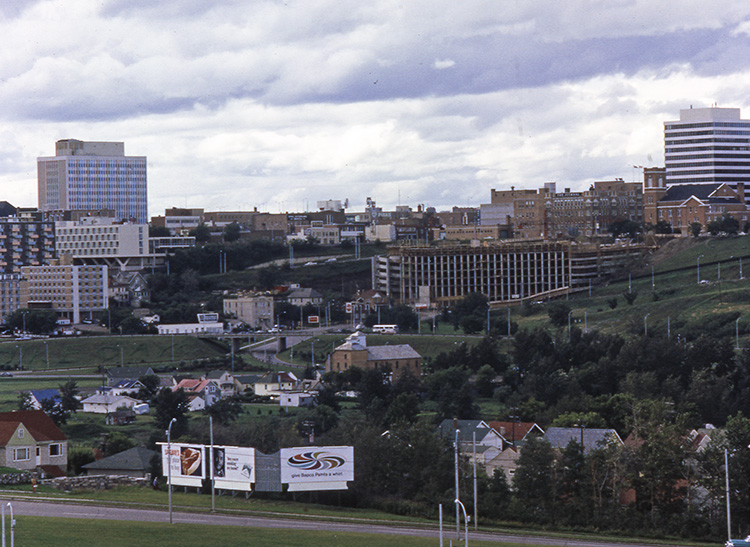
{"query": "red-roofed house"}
{"type": "Point", "coordinates": [517, 432]}
{"type": "Point", "coordinates": [29, 439]}
{"type": "Point", "coordinates": [208, 390]}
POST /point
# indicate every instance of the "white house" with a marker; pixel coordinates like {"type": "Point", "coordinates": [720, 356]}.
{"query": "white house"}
{"type": "Point", "coordinates": [104, 404]}
{"type": "Point", "coordinates": [296, 398]}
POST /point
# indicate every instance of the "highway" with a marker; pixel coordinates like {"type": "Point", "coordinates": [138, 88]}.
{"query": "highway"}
{"type": "Point", "coordinates": [73, 510]}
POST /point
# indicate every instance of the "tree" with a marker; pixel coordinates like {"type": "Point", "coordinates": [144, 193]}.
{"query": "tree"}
{"type": "Point", "coordinates": [117, 442]}
{"type": "Point", "coordinates": [225, 411]}
{"type": "Point", "coordinates": [69, 396]}
{"type": "Point", "coordinates": [231, 232]}
{"type": "Point", "coordinates": [201, 233]}
{"type": "Point", "coordinates": [558, 312]}
{"type": "Point", "coordinates": [630, 297]}
{"type": "Point", "coordinates": [24, 401]}
{"type": "Point", "coordinates": [54, 410]}
{"type": "Point", "coordinates": [159, 231]}
{"type": "Point", "coordinates": [485, 381]}
{"type": "Point", "coordinates": [621, 227]}
{"type": "Point", "coordinates": [663, 227]}
{"type": "Point", "coordinates": [695, 228]}
{"type": "Point", "coordinates": [533, 480]}
{"type": "Point", "coordinates": [170, 404]}
{"type": "Point", "coordinates": [34, 321]}
{"type": "Point", "coordinates": [150, 387]}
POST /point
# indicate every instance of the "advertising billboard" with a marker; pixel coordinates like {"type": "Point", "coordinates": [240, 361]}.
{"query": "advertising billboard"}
{"type": "Point", "coordinates": [317, 467]}
{"type": "Point", "coordinates": [187, 461]}
{"type": "Point", "coordinates": [233, 467]}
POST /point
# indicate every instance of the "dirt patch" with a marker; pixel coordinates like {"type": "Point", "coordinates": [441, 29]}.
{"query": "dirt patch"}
{"type": "Point", "coordinates": [672, 248]}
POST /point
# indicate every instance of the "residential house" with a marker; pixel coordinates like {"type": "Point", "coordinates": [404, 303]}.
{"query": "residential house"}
{"type": "Point", "coordinates": [296, 399]}
{"type": "Point", "coordinates": [517, 432]}
{"type": "Point", "coordinates": [39, 395]}
{"type": "Point", "coordinates": [120, 417]}
{"type": "Point", "coordinates": [396, 360]}
{"type": "Point", "coordinates": [208, 390]}
{"type": "Point", "coordinates": [105, 403]}
{"type": "Point", "coordinates": [195, 402]}
{"type": "Point", "coordinates": [134, 462]}
{"type": "Point", "coordinates": [224, 380]}
{"type": "Point", "coordinates": [300, 296]}
{"type": "Point", "coordinates": [126, 387]}
{"type": "Point", "coordinates": [273, 383]}
{"type": "Point", "coordinates": [29, 439]}
{"type": "Point", "coordinates": [245, 383]}
{"type": "Point", "coordinates": [506, 461]}
{"type": "Point", "coordinates": [471, 432]}
{"type": "Point", "coordinates": [590, 438]}
{"type": "Point", "coordinates": [116, 374]}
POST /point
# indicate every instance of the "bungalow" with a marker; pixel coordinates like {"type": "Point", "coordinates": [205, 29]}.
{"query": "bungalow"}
{"type": "Point", "coordinates": [517, 432]}
{"type": "Point", "coordinates": [296, 399]}
{"type": "Point", "coordinates": [105, 404]}
{"type": "Point", "coordinates": [246, 382]}
{"type": "Point", "coordinates": [29, 439]}
{"type": "Point", "coordinates": [116, 374]}
{"type": "Point", "coordinates": [134, 462]}
{"type": "Point", "coordinates": [471, 432]}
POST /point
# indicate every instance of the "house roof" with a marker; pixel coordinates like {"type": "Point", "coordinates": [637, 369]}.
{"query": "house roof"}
{"type": "Point", "coordinates": [38, 424]}
{"type": "Point", "coordinates": [303, 292]}
{"type": "Point", "coordinates": [560, 437]}
{"type": "Point", "coordinates": [138, 458]}
{"type": "Point", "coordinates": [703, 192]}
{"type": "Point", "coordinates": [467, 428]}
{"type": "Point", "coordinates": [128, 384]}
{"type": "Point", "coordinates": [277, 378]}
{"type": "Point", "coordinates": [42, 394]}
{"type": "Point", "coordinates": [193, 386]}
{"type": "Point", "coordinates": [248, 378]}
{"type": "Point", "coordinates": [401, 351]}
{"type": "Point", "coordinates": [515, 431]}
{"type": "Point", "coordinates": [106, 399]}
{"type": "Point", "coordinates": [216, 374]}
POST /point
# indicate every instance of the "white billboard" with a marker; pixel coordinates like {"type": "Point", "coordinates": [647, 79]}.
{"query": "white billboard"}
{"type": "Point", "coordinates": [317, 467]}
{"type": "Point", "coordinates": [187, 461]}
{"type": "Point", "coordinates": [233, 467]}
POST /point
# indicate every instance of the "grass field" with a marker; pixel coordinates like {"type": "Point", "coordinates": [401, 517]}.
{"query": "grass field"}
{"type": "Point", "coordinates": [85, 532]}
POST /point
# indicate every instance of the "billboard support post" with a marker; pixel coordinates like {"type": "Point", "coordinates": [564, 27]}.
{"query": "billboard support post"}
{"type": "Point", "coordinates": [169, 465]}
{"type": "Point", "coordinates": [213, 479]}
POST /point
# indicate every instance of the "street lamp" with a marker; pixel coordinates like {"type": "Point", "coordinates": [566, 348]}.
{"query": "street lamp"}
{"type": "Point", "coordinates": [645, 324]}
{"type": "Point", "coordinates": [737, 332]}
{"type": "Point", "coordinates": [466, 522]}
{"type": "Point", "coordinates": [698, 269]}
{"type": "Point", "coordinates": [169, 465]}
{"type": "Point", "coordinates": [458, 522]}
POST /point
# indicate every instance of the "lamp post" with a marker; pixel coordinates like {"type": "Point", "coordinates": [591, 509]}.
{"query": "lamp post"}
{"type": "Point", "coordinates": [737, 332]}
{"type": "Point", "coordinates": [458, 522]}
{"type": "Point", "coordinates": [12, 526]}
{"type": "Point", "coordinates": [698, 269]}
{"type": "Point", "coordinates": [466, 522]}
{"type": "Point", "coordinates": [645, 325]}
{"type": "Point", "coordinates": [169, 465]}
{"type": "Point", "coordinates": [653, 284]}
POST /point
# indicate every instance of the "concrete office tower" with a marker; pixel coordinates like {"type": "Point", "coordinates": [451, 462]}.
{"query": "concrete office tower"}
{"type": "Point", "coordinates": [708, 146]}
{"type": "Point", "coordinates": [93, 175]}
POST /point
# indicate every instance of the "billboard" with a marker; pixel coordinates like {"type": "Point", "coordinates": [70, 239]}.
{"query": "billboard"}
{"type": "Point", "coordinates": [187, 461]}
{"type": "Point", "coordinates": [317, 467]}
{"type": "Point", "coordinates": [233, 467]}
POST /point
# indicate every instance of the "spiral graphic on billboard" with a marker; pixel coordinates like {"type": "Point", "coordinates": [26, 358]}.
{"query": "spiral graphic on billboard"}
{"type": "Point", "coordinates": [316, 461]}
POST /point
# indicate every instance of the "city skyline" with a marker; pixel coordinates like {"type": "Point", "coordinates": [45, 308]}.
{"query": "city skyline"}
{"type": "Point", "coordinates": [279, 105]}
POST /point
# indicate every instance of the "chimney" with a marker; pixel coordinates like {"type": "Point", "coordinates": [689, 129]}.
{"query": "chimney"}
{"type": "Point", "coordinates": [741, 192]}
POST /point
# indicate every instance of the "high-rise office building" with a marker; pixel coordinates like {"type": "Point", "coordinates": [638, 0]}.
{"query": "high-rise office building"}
{"type": "Point", "coordinates": [93, 175]}
{"type": "Point", "coordinates": [708, 146]}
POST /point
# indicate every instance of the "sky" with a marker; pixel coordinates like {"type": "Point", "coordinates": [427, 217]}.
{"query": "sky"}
{"type": "Point", "coordinates": [280, 104]}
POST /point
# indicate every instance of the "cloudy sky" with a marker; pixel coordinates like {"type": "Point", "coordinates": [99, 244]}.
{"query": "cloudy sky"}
{"type": "Point", "coordinates": [278, 104]}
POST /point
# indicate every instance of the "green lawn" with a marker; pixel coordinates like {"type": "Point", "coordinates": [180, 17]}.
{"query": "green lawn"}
{"type": "Point", "coordinates": [84, 532]}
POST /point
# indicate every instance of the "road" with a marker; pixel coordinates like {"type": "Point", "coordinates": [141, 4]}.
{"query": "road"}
{"type": "Point", "coordinates": [71, 510]}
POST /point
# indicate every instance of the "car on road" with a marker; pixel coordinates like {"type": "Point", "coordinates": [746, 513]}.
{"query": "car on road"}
{"type": "Point", "coordinates": [5, 373]}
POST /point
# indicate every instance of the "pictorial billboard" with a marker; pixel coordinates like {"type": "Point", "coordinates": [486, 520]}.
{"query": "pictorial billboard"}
{"type": "Point", "coordinates": [317, 467]}
{"type": "Point", "coordinates": [187, 461]}
{"type": "Point", "coordinates": [233, 467]}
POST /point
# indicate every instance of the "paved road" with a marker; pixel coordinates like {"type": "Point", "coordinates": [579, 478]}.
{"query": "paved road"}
{"type": "Point", "coordinates": [69, 510]}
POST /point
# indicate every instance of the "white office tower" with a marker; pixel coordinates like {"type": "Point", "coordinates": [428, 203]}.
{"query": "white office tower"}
{"type": "Point", "coordinates": [708, 146]}
{"type": "Point", "coordinates": [93, 176]}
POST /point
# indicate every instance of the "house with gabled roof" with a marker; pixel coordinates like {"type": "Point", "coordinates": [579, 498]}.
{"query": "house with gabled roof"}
{"type": "Point", "coordinates": [471, 432]}
{"type": "Point", "coordinates": [517, 432]}
{"type": "Point", "coordinates": [133, 462]}
{"type": "Point", "coordinates": [590, 438]}
{"type": "Point", "coordinates": [396, 359]}
{"type": "Point", "coordinates": [104, 403]}
{"type": "Point", "coordinates": [273, 383]}
{"type": "Point", "coordinates": [207, 390]}
{"type": "Point", "coordinates": [116, 374]}
{"type": "Point", "coordinates": [37, 396]}
{"type": "Point", "coordinates": [224, 380]}
{"type": "Point", "coordinates": [29, 439]}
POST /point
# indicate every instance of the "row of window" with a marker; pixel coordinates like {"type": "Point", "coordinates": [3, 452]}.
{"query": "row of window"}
{"type": "Point", "coordinates": [24, 454]}
{"type": "Point", "coordinates": [708, 132]}
{"type": "Point", "coordinates": [699, 141]}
